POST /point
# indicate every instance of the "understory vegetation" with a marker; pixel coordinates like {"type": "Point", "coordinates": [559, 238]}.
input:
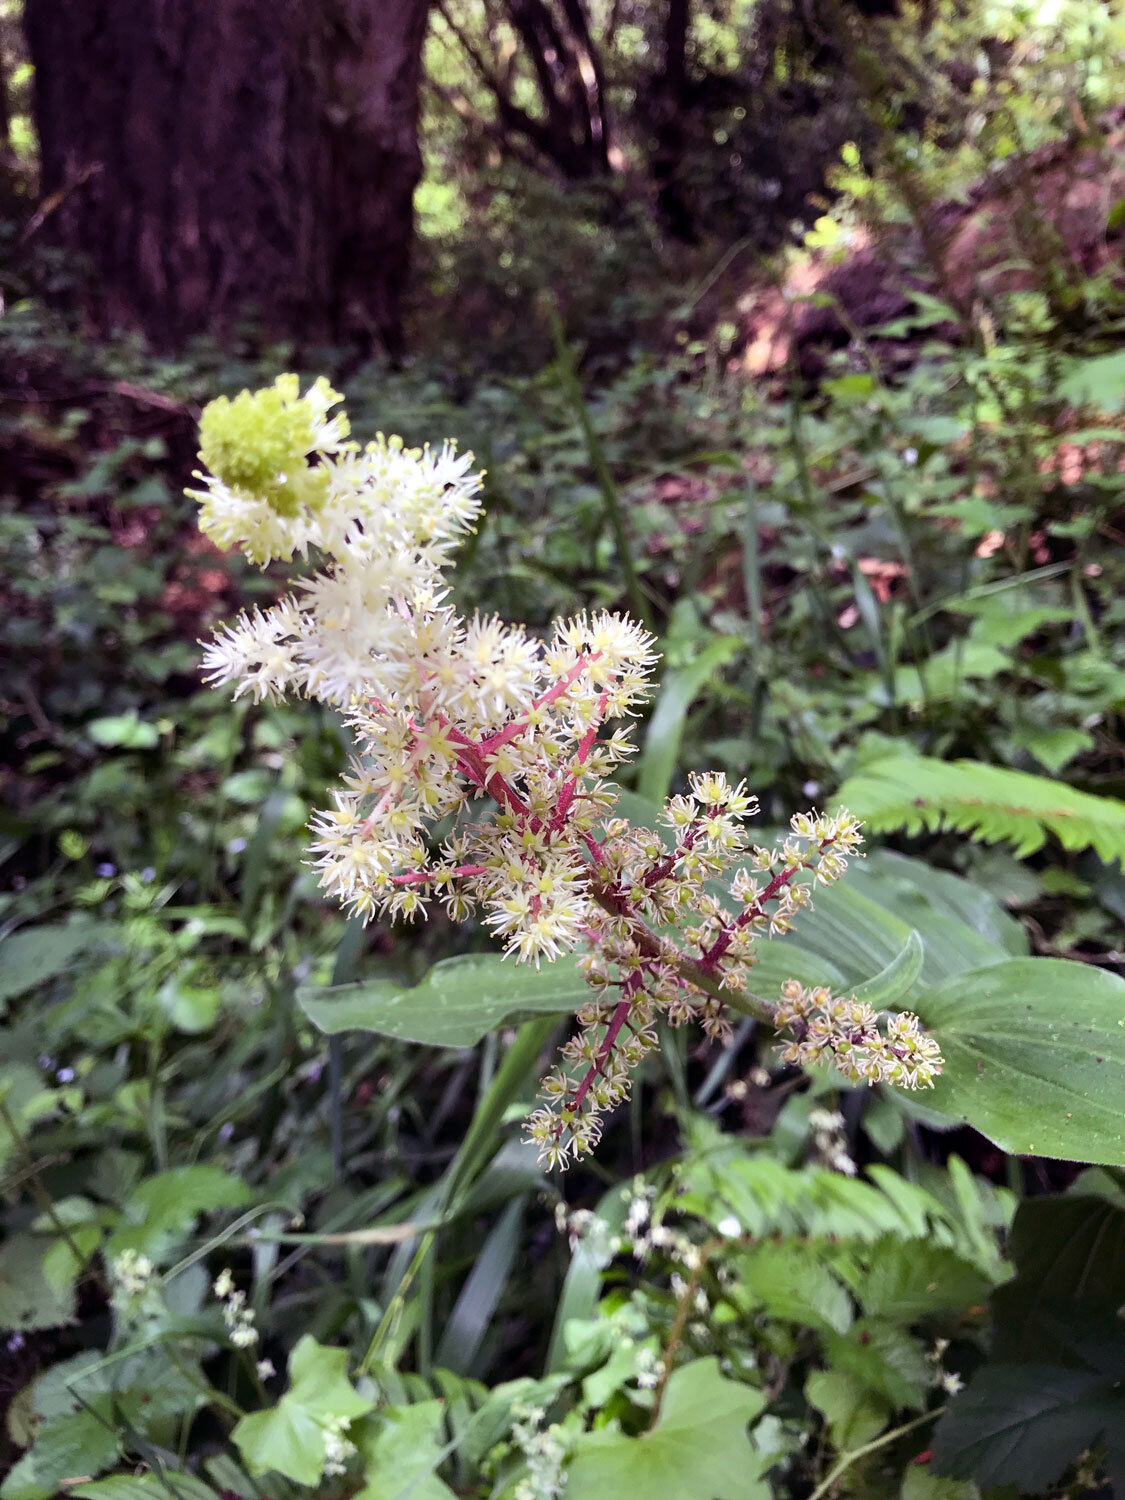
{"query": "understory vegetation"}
{"type": "Point", "coordinates": [271, 1227]}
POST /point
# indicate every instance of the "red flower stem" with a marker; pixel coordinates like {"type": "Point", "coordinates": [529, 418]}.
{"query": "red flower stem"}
{"type": "Point", "coordinates": [552, 695]}
{"type": "Point", "coordinates": [779, 882]}
{"type": "Point", "coordinates": [605, 1051]}
{"type": "Point", "coordinates": [417, 877]}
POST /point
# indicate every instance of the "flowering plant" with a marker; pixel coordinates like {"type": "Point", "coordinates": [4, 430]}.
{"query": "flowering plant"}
{"type": "Point", "coordinates": [509, 742]}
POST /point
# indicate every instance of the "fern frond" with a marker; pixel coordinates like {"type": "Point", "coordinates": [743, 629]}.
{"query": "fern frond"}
{"type": "Point", "coordinates": [989, 803]}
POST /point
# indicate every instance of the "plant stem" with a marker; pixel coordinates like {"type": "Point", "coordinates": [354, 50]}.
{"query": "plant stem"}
{"type": "Point", "coordinates": [844, 1463]}
{"type": "Point", "coordinates": [573, 389]}
{"type": "Point", "coordinates": [43, 1198]}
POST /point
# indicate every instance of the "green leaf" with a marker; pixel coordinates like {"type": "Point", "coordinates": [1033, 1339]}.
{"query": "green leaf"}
{"type": "Point", "coordinates": [36, 954]}
{"type": "Point", "coordinates": [1070, 1258]}
{"type": "Point", "coordinates": [887, 988]}
{"type": "Point", "coordinates": [1035, 1057]}
{"type": "Point", "coordinates": [1025, 1424]}
{"type": "Point", "coordinates": [698, 1449]}
{"type": "Point", "coordinates": [402, 1452]}
{"type": "Point", "coordinates": [885, 1359]}
{"type": "Point", "coordinates": [990, 803]}
{"type": "Point", "coordinates": [1053, 748]}
{"type": "Point", "coordinates": [459, 1001]}
{"type": "Point", "coordinates": [853, 1412]}
{"type": "Point", "coordinates": [1099, 382]}
{"type": "Point", "coordinates": [665, 729]}
{"type": "Point", "coordinates": [123, 732]}
{"type": "Point", "coordinates": [792, 1282]}
{"type": "Point", "coordinates": [78, 1444]}
{"type": "Point", "coordinates": [164, 1207]}
{"type": "Point", "coordinates": [28, 1297]}
{"type": "Point", "coordinates": [289, 1437]}
{"type": "Point", "coordinates": [171, 1484]}
{"type": "Point", "coordinates": [919, 1484]}
{"type": "Point", "coordinates": [907, 1280]}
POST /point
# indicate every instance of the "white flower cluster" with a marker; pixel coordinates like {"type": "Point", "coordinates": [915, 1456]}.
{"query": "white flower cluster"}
{"type": "Point", "coordinates": [448, 712]}
{"type": "Point", "coordinates": [829, 1140]}
{"type": "Point", "coordinates": [543, 1451]}
{"type": "Point", "coordinates": [236, 1315]}
{"type": "Point", "coordinates": [133, 1276]}
{"type": "Point", "coordinates": [338, 1447]}
{"type": "Point", "coordinates": [445, 710]}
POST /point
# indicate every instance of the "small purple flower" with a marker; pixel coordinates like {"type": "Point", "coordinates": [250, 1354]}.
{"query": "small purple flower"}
{"type": "Point", "coordinates": [65, 1075]}
{"type": "Point", "coordinates": [105, 871]}
{"type": "Point", "coordinates": [148, 874]}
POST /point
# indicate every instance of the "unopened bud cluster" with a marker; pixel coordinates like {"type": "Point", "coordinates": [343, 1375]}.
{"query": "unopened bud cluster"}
{"type": "Point", "coordinates": [449, 713]}
{"type": "Point", "coordinates": [846, 1033]}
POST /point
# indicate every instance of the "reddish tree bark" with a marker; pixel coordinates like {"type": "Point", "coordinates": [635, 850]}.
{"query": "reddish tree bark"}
{"type": "Point", "coordinates": [230, 159]}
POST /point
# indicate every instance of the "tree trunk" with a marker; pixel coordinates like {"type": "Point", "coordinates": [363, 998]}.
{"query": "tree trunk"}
{"type": "Point", "coordinates": [670, 106]}
{"type": "Point", "coordinates": [227, 160]}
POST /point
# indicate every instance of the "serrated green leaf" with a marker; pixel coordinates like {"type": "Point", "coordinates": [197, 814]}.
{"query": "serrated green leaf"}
{"type": "Point", "coordinates": [885, 1359]}
{"type": "Point", "coordinates": [991, 803]}
{"type": "Point", "coordinates": [698, 1449]}
{"type": "Point", "coordinates": [918, 1483]}
{"type": "Point", "coordinates": [1035, 1057]}
{"type": "Point", "coordinates": [459, 1001]}
{"type": "Point", "coordinates": [166, 1205]}
{"type": "Point", "coordinates": [909, 1279]}
{"type": "Point", "coordinates": [79, 1444]}
{"type": "Point", "coordinates": [792, 1282]}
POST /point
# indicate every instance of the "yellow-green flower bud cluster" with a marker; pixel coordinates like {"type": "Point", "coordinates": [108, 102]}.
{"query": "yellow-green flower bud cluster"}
{"type": "Point", "coordinates": [825, 1028]}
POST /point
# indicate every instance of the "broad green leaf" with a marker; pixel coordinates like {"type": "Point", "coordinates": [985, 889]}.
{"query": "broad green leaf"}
{"type": "Point", "coordinates": [164, 1207]}
{"type": "Point", "coordinates": [698, 1449]}
{"type": "Point", "coordinates": [918, 893]}
{"type": "Point", "coordinates": [885, 989]}
{"type": "Point", "coordinates": [28, 1297]}
{"type": "Point", "coordinates": [123, 732]}
{"type": "Point", "coordinates": [1098, 381]}
{"type": "Point", "coordinates": [402, 1452]}
{"type": "Point", "coordinates": [679, 690]}
{"type": "Point", "coordinates": [289, 1437]}
{"type": "Point", "coordinates": [1035, 1057]}
{"type": "Point", "coordinates": [81, 1443]}
{"type": "Point", "coordinates": [35, 954]}
{"type": "Point", "coordinates": [853, 1412]}
{"type": "Point", "coordinates": [172, 1484]}
{"type": "Point", "coordinates": [1070, 1258]}
{"type": "Point", "coordinates": [459, 1001]}
{"type": "Point", "coordinates": [1025, 1424]}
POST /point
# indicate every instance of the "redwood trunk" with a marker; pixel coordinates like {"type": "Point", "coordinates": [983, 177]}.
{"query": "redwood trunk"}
{"type": "Point", "coordinates": [225, 160]}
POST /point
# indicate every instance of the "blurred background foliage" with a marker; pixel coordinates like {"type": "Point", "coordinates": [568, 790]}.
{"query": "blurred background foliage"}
{"type": "Point", "coordinates": [820, 304]}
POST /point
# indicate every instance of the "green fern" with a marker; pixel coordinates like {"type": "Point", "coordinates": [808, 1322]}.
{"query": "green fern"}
{"type": "Point", "coordinates": [987, 802]}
